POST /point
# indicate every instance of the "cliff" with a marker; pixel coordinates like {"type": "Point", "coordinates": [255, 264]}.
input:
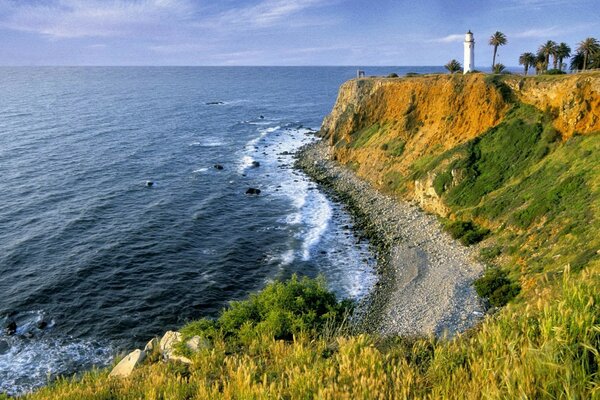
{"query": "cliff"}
{"type": "Point", "coordinates": [518, 155]}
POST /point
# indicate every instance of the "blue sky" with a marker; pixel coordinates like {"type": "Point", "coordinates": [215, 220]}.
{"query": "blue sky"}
{"type": "Point", "coordinates": [282, 32]}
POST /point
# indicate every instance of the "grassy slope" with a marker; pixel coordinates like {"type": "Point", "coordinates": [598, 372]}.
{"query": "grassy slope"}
{"type": "Point", "coordinates": [540, 197]}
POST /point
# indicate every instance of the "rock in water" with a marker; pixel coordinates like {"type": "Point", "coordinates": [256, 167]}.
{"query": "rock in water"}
{"type": "Point", "coordinates": [218, 166]}
{"type": "Point", "coordinates": [126, 366]}
{"type": "Point", "coordinates": [11, 328]}
{"type": "Point", "coordinates": [214, 103]}
{"type": "Point", "coordinates": [149, 183]}
{"type": "Point", "coordinates": [253, 191]}
{"type": "Point", "coordinates": [255, 164]}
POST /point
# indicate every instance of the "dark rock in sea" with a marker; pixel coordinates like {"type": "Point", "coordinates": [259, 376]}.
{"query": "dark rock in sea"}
{"type": "Point", "coordinates": [218, 166]}
{"type": "Point", "coordinates": [253, 191]}
{"type": "Point", "coordinates": [4, 347]}
{"type": "Point", "coordinates": [284, 153]}
{"type": "Point", "coordinates": [214, 103]}
{"type": "Point", "coordinates": [11, 328]}
{"type": "Point", "coordinates": [255, 164]}
{"type": "Point", "coordinates": [149, 183]}
{"type": "Point", "coordinates": [42, 324]}
{"type": "Point", "coordinates": [261, 117]}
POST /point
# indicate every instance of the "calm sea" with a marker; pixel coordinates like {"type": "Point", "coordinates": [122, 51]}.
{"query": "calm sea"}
{"type": "Point", "coordinates": [93, 261]}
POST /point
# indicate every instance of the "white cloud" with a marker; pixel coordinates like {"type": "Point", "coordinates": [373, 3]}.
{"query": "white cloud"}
{"type": "Point", "coordinates": [91, 18]}
{"type": "Point", "coordinates": [457, 37]}
{"type": "Point", "coordinates": [266, 13]}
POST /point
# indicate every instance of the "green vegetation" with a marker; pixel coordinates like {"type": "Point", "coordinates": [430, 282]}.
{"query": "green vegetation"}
{"type": "Point", "coordinates": [546, 350]}
{"type": "Point", "coordinates": [364, 135]}
{"type": "Point", "coordinates": [281, 311]}
{"type": "Point", "coordinates": [394, 148]}
{"type": "Point", "coordinates": [495, 286]}
{"type": "Point", "coordinates": [466, 231]}
{"type": "Point", "coordinates": [453, 66]}
{"type": "Point", "coordinates": [497, 39]}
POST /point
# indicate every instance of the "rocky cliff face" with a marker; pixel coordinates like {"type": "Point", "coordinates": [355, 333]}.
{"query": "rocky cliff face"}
{"type": "Point", "coordinates": [382, 128]}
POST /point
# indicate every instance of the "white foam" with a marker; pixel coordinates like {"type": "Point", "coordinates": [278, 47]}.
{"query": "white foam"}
{"type": "Point", "coordinates": [29, 363]}
{"type": "Point", "coordinates": [317, 215]}
{"type": "Point", "coordinates": [199, 170]}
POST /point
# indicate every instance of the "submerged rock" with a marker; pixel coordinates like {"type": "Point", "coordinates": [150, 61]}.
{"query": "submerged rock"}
{"type": "Point", "coordinates": [218, 166]}
{"type": "Point", "coordinates": [253, 191]}
{"type": "Point", "coordinates": [149, 183]}
{"type": "Point", "coordinates": [214, 103]}
{"type": "Point", "coordinates": [11, 328]}
{"type": "Point", "coordinates": [126, 366]}
{"type": "Point", "coordinates": [255, 164]}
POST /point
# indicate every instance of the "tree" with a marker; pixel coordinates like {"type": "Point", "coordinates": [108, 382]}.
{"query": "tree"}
{"type": "Point", "coordinates": [527, 60]}
{"type": "Point", "coordinates": [453, 66]}
{"type": "Point", "coordinates": [577, 62]}
{"type": "Point", "coordinates": [562, 51]}
{"type": "Point", "coordinates": [589, 48]}
{"type": "Point", "coordinates": [548, 49]}
{"type": "Point", "coordinates": [497, 39]}
{"type": "Point", "coordinates": [540, 62]}
{"type": "Point", "coordinates": [499, 68]}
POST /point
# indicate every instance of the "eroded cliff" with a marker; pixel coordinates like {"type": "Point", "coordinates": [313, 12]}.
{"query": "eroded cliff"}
{"type": "Point", "coordinates": [512, 153]}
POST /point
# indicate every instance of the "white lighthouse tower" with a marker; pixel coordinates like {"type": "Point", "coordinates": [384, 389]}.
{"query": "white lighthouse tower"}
{"type": "Point", "coordinates": [469, 64]}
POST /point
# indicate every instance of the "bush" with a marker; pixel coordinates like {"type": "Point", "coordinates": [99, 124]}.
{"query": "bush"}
{"type": "Point", "coordinates": [467, 232]}
{"type": "Point", "coordinates": [442, 182]}
{"type": "Point", "coordinates": [554, 72]}
{"type": "Point", "coordinates": [393, 75]}
{"type": "Point", "coordinates": [496, 287]}
{"type": "Point", "coordinates": [410, 74]}
{"type": "Point", "coordinates": [281, 310]}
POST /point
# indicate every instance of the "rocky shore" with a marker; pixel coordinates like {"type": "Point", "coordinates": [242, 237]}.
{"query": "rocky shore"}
{"type": "Point", "coordinates": [425, 276]}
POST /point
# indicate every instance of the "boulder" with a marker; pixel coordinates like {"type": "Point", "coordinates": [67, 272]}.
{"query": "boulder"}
{"type": "Point", "coordinates": [149, 183]}
{"type": "Point", "coordinates": [218, 166]}
{"type": "Point", "coordinates": [126, 366]}
{"type": "Point", "coordinates": [255, 164]}
{"type": "Point", "coordinates": [151, 345]}
{"type": "Point", "coordinates": [253, 191]}
{"type": "Point", "coordinates": [168, 342]}
{"type": "Point", "coordinates": [167, 347]}
{"type": "Point", "coordinates": [198, 343]}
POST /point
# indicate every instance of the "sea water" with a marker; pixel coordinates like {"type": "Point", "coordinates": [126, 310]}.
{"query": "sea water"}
{"type": "Point", "coordinates": [94, 261]}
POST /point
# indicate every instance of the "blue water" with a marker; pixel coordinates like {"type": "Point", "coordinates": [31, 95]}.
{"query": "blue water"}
{"type": "Point", "coordinates": [92, 261]}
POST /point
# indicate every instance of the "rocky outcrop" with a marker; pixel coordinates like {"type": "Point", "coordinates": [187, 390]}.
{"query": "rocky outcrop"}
{"type": "Point", "coordinates": [167, 349]}
{"type": "Point", "coordinates": [126, 366]}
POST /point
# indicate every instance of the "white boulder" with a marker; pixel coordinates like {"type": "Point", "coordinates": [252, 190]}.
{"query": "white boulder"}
{"type": "Point", "coordinates": [126, 366]}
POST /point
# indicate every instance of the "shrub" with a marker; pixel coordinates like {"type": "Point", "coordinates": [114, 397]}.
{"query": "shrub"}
{"type": "Point", "coordinates": [281, 310]}
{"type": "Point", "coordinates": [554, 72]}
{"type": "Point", "coordinates": [496, 287]}
{"type": "Point", "coordinates": [466, 231]}
{"type": "Point", "coordinates": [393, 75]}
{"type": "Point", "coordinates": [442, 182]}
{"type": "Point", "coordinates": [410, 74]}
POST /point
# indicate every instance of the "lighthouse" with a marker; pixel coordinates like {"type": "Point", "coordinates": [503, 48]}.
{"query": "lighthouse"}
{"type": "Point", "coordinates": [469, 64]}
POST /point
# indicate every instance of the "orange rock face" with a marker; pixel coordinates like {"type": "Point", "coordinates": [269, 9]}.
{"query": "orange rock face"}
{"type": "Point", "coordinates": [382, 126]}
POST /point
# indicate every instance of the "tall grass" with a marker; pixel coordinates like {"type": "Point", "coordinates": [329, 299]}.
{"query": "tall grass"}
{"type": "Point", "coordinates": [547, 349]}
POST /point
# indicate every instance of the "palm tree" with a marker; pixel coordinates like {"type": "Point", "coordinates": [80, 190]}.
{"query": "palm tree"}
{"type": "Point", "coordinates": [527, 60]}
{"type": "Point", "coordinates": [562, 51]}
{"type": "Point", "coordinates": [547, 49]}
{"type": "Point", "coordinates": [577, 61]}
{"type": "Point", "coordinates": [540, 62]}
{"type": "Point", "coordinates": [499, 68]}
{"type": "Point", "coordinates": [589, 48]}
{"type": "Point", "coordinates": [453, 66]}
{"type": "Point", "coordinates": [497, 39]}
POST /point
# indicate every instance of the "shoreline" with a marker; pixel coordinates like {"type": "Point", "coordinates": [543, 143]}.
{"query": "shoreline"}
{"type": "Point", "coordinates": [424, 276]}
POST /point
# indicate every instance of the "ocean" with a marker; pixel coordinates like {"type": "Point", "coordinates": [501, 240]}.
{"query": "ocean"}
{"type": "Point", "coordinates": [93, 261]}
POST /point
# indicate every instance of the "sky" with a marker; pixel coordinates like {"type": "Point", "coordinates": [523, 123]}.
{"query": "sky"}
{"type": "Point", "coordinates": [283, 32]}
